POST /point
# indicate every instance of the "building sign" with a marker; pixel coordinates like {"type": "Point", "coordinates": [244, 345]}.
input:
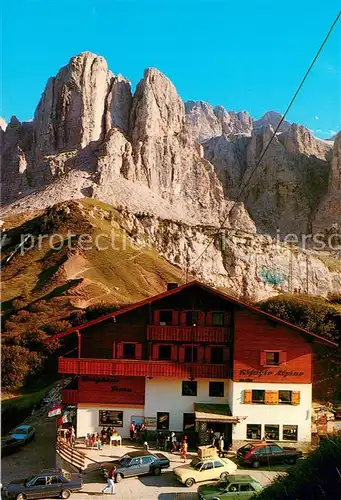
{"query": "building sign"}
{"type": "Point", "coordinates": [111, 418]}
{"type": "Point", "coordinates": [150, 422]}
{"type": "Point", "coordinates": [275, 373]}
{"type": "Point", "coordinates": [112, 390]}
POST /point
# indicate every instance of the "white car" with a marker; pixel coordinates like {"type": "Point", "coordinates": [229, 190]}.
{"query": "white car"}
{"type": "Point", "coordinates": [204, 469]}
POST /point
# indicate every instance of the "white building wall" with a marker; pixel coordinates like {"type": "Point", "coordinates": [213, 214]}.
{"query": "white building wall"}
{"type": "Point", "coordinates": [165, 394]}
{"type": "Point", "coordinates": [280, 414]}
{"type": "Point", "coordinates": [88, 419]}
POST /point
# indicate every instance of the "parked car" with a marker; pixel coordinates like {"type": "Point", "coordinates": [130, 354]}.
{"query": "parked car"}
{"type": "Point", "coordinates": [10, 445]}
{"type": "Point", "coordinates": [266, 453]}
{"type": "Point", "coordinates": [136, 463]}
{"type": "Point", "coordinates": [232, 488]}
{"type": "Point", "coordinates": [202, 469]}
{"type": "Point", "coordinates": [23, 433]}
{"type": "Point", "coordinates": [44, 485]}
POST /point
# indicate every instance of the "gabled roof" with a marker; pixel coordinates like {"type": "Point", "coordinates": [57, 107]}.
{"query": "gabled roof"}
{"type": "Point", "coordinates": [168, 293]}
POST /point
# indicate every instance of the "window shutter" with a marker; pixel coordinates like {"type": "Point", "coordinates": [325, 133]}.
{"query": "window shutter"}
{"type": "Point", "coordinates": [156, 317]}
{"type": "Point", "coordinates": [262, 358]}
{"type": "Point", "coordinates": [155, 351]}
{"type": "Point", "coordinates": [226, 354]}
{"type": "Point", "coordinates": [181, 354]}
{"type": "Point", "coordinates": [209, 318]}
{"type": "Point", "coordinates": [174, 352]}
{"type": "Point", "coordinates": [201, 318]}
{"type": "Point", "coordinates": [182, 318]}
{"type": "Point", "coordinates": [282, 357]}
{"type": "Point", "coordinates": [119, 351]}
{"type": "Point", "coordinates": [208, 354]}
{"type": "Point", "coordinates": [175, 317]}
{"type": "Point", "coordinates": [295, 398]}
{"type": "Point", "coordinates": [247, 396]}
{"type": "Point", "coordinates": [201, 353]}
{"type": "Point", "coordinates": [138, 351]}
{"type": "Point", "coordinates": [271, 397]}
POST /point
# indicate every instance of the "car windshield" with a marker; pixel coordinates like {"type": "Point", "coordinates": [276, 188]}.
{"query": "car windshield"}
{"type": "Point", "coordinates": [196, 463]}
{"type": "Point", "coordinates": [125, 460]}
{"type": "Point", "coordinates": [19, 430]}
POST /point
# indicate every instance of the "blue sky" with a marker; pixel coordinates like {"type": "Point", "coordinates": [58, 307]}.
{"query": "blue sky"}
{"type": "Point", "coordinates": [247, 55]}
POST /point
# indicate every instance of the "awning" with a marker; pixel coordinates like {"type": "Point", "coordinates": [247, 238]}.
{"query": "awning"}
{"type": "Point", "coordinates": [205, 412]}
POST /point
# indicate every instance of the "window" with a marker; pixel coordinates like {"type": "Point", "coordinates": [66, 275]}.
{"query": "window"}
{"type": "Point", "coordinates": [147, 460]}
{"type": "Point", "coordinates": [53, 480]}
{"type": "Point", "coordinates": [189, 422]}
{"type": "Point", "coordinates": [234, 487]}
{"type": "Point", "coordinates": [162, 421]}
{"type": "Point", "coordinates": [129, 350]}
{"type": "Point", "coordinates": [191, 354]}
{"type": "Point", "coordinates": [192, 318]}
{"type": "Point", "coordinates": [216, 389]}
{"type": "Point", "coordinates": [271, 432]}
{"type": "Point", "coordinates": [189, 388]}
{"type": "Point", "coordinates": [166, 317]}
{"type": "Point", "coordinates": [285, 397]}
{"type": "Point", "coordinates": [165, 352]}
{"type": "Point", "coordinates": [207, 466]}
{"type": "Point", "coordinates": [217, 319]}
{"type": "Point", "coordinates": [275, 449]}
{"type": "Point", "coordinates": [217, 355]}
{"type": "Point", "coordinates": [245, 487]}
{"type": "Point", "coordinates": [110, 418]}
{"type": "Point", "coordinates": [253, 431]}
{"type": "Point", "coordinates": [290, 432]}
{"type": "Point", "coordinates": [40, 481]}
{"type": "Point", "coordinates": [272, 358]}
{"type": "Point", "coordinates": [258, 396]}
{"type": "Point", "coordinates": [135, 461]}
{"type": "Point", "coordinates": [218, 463]}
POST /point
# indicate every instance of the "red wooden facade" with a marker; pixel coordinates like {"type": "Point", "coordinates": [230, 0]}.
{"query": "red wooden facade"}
{"type": "Point", "coordinates": [255, 336]}
{"type": "Point", "coordinates": [188, 333]}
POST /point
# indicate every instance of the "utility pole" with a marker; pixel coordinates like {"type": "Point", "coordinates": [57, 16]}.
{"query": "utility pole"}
{"type": "Point", "coordinates": [307, 272]}
{"type": "Point", "coordinates": [290, 268]}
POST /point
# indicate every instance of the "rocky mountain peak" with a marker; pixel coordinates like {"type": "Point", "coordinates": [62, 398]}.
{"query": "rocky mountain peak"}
{"type": "Point", "coordinates": [271, 118]}
{"type": "Point", "coordinates": [299, 140]}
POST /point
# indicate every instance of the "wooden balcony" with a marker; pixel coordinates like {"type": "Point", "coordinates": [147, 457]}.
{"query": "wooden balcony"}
{"type": "Point", "coordinates": [70, 396]}
{"type": "Point", "coordinates": [212, 334]}
{"type": "Point", "coordinates": [142, 368]}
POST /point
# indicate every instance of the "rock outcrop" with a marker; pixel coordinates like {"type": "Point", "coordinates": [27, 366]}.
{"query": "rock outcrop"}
{"type": "Point", "coordinates": [271, 118]}
{"type": "Point", "coordinates": [329, 213]}
{"type": "Point", "coordinates": [286, 188]}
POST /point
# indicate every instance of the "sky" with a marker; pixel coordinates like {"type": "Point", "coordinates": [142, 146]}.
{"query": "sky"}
{"type": "Point", "coordinates": [244, 55]}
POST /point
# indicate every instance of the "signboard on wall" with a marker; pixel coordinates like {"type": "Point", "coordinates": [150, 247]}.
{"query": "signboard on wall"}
{"type": "Point", "coordinates": [111, 418]}
{"type": "Point", "coordinates": [112, 390]}
{"type": "Point", "coordinates": [150, 423]}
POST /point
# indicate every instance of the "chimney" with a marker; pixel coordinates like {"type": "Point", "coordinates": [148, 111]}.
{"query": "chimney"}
{"type": "Point", "coordinates": [171, 286]}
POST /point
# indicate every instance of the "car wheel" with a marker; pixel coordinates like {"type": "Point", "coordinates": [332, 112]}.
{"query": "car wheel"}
{"type": "Point", "coordinates": [189, 482]}
{"type": "Point", "coordinates": [255, 464]}
{"type": "Point", "coordinates": [224, 475]}
{"type": "Point", "coordinates": [21, 496]}
{"type": "Point", "coordinates": [291, 461]}
{"type": "Point", "coordinates": [118, 478]}
{"type": "Point", "coordinates": [65, 494]}
{"type": "Point", "coordinates": [156, 471]}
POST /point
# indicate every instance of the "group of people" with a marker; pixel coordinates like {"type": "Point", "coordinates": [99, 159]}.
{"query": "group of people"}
{"type": "Point", "coordinates": [100, 438]}
{"type": "Point", "coordinates": [68, 435]}
{"type": "Point", "coordinates": [169, 442]}
{"type": "Point", "coordinates": [217, 440]}
{"type": "Point", "coordinates": [138, 432]}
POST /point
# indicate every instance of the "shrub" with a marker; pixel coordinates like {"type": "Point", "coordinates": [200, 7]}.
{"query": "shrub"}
{"type": "Point", "coordinates": [77, 317]}
{"type": "Point", "coordinates": [17, 362]}
{"type": "Point", "coordinates": [56, 327]}
{"type": "Point", "coordinates": [97, 310]}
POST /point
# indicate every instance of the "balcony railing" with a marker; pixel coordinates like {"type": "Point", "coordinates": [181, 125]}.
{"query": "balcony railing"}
{"type": "Point", "coordinates": [143, 368]}
{"type": "Point", "coordinates": [70, 396]}
{"type": "Point", "coordinates": [210, 334]}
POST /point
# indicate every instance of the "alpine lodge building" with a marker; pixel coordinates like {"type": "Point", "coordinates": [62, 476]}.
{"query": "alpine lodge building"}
{"type": "Point", "coordinates": [192, 359]}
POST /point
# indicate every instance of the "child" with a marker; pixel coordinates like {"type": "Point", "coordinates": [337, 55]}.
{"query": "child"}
{"type": "Point", "coordinates": [146, 446]}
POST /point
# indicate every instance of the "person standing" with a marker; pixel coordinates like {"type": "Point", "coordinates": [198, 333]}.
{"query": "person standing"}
{"type": "Point", "coordinates": [132, 430]}
{"type": "Point", "coordinates": [221, 446]}
{"type": "Point", "coordinates": [111, 482]}
{"type": "Point", "coordinates": [184, 448]}
{"type": "Point", "coordinates": [174, 443]}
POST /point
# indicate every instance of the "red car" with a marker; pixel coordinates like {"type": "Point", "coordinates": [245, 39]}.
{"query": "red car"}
{"type": "Point", "coordinates": [267, 454]}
